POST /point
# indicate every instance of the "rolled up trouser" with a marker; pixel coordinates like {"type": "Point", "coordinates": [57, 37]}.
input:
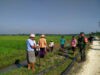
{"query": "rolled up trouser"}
{"type": "Point", "coordinates": [31, 57]}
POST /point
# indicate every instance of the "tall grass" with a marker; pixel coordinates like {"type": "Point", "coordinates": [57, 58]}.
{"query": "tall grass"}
{"type": "Point", "coordinates": [11, 48]}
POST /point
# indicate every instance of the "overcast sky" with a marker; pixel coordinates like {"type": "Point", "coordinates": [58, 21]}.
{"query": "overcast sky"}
{"type": "Point", "coordinates": [49, 16]}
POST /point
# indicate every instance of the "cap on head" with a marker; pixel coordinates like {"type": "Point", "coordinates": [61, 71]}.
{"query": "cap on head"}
{"type": "Point", "coordinates": [73, 36]}
{"type": "Point", "coordinates": [42, 36]}
{"type": "Point", "coordinates": [81, 32]}
{"type": "Point", "coordinates": [32, 35]}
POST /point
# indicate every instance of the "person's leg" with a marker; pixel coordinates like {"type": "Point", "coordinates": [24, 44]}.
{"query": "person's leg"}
{"type": "Point", "coordinates": [51, 49]}
{"type": "Point", "coordinates": [62, 47]}
{"type": "Point", "coordinates": [91, 41]}
{"type": "Point", "coordinates": [81, 53]}
{"type": "Point", "coordinates": [29, 66]}
{"type": "Point", "coordinates": [74, 52]}
{"type": "Point", "coordinates": [33, 66]}
{"type": "Point", "coordinates": [33, 62]}
{"type": "Point", "coordinates": [42, 52]}
{"type": "Point", "coordinates": [73, 49]}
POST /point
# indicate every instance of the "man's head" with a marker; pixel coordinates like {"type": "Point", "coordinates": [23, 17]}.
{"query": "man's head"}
{"type": "Point", "coordinates": [32, 36]}
{"type": "Point", "coordinates": [62, 36]}
{"type": "Point", "coordinates": [73, 36]}
{"type": "Point", "coordinates": [42, 36]}
{"type": "Point", "coordinates": [82, 34]}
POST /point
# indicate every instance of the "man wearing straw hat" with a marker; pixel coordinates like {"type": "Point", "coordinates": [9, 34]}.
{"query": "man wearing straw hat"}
{"type": "Point", "coordinates": [42, 44]}
{"type": "Point", "coordinates": [31, 45]}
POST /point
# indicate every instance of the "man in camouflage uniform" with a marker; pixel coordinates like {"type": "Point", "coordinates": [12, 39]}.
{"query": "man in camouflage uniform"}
{"type": "Point", "coordinates": [82, 46]}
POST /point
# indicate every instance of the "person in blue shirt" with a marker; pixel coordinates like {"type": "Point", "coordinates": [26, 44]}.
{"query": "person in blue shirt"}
{"type": "Point", "coordinates": [62, 43]}
{"type": "Point", "coordinates": [31, 45]}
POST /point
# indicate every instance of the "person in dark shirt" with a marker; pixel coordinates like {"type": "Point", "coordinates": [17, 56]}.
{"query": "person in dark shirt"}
{"type": "Point", "coordinates": [91, 39]}
{"type": "Point", "coordinates": [82, 45]}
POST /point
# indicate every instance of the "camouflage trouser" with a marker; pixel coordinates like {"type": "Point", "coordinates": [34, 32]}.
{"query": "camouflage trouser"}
{"type": "Point", "coordinates": [82, 53]}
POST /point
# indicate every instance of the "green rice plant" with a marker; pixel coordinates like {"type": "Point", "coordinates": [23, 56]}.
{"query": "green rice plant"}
{"type": "Point", "coordinates": [49, 60]}
{"type": "Point", "coordinates": [14, 47]}
{"type": "Point", "coordinates": [58, 70]}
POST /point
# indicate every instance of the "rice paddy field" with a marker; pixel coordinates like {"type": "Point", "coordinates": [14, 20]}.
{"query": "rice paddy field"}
{"type": "Point", "coordinates": [14, 47]}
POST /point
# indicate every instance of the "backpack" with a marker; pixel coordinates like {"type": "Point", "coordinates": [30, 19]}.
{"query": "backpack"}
{"type": "Point", "coordinates": [85, 39]}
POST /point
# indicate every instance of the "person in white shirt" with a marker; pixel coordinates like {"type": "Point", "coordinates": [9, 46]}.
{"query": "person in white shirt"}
{"type": "Point", "coordinates": [31, 45]}
{"type": "Point", "coordinates": [37, 48]}
{"type": "Point", "coordinates": [51, 45]}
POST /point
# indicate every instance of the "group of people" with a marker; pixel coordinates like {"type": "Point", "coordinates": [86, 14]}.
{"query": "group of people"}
{"type": "Point", "coordinates": [80, 43]}
{"type": "Point", "coordinates": [41, 47]}
{"type": "Point", "coordinates": [36, 49]}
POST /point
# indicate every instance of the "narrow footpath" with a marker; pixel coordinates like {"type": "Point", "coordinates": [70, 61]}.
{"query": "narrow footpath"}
{"type": "Point", "coordinates": [92, 64]}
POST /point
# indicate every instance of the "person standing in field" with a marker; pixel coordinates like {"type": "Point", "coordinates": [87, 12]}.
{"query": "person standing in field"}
{"type": "Point", "coordinates": [31, 45]}
{"type": "Point", "coordinates": [62, 43]}
{"type": "Point", "coordinates": [82, 41]}
{"type": "Point", "coordinates": [91, 39]}
{"type": "Point", "coordinates": [42, 44]}
{"type": "Point", "coordinates": [73, 44]}
{"type": "Point", "coordinates": [37, 49]}
{"type": "Point", "coordinates": [51, 45]}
